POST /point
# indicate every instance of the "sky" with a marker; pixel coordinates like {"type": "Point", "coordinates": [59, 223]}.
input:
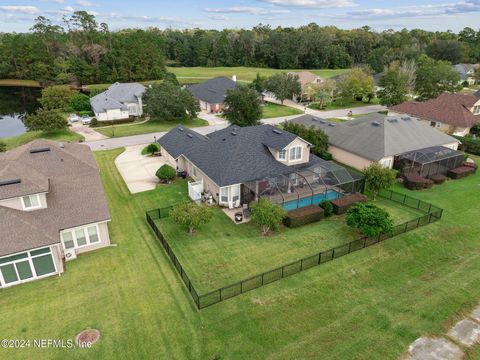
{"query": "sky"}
{"type": "Point", "coordinates": [442, 15]}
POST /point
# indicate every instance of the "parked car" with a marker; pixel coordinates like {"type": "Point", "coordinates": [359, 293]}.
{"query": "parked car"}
{"type": "Point", "coordinates": [86, 120]}
{"type": "Point", "coordinates": [73, 118]}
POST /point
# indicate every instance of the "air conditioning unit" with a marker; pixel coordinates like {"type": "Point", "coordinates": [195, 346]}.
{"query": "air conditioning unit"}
{"type": "Point", "coordinates": [70, 254]}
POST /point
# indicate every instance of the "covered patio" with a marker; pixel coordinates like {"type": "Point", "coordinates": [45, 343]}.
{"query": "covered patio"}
{"type": "Point", "coordinates": [435, 160]}
{"type": "Point", "coordinates": [307, 186]}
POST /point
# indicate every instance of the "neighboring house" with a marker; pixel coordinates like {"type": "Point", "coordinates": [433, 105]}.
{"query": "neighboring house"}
{"type": "Point", "coordinates": [466, 72]}
{"type": "Point", "coordinates": [477, 93]}
{"type": "Point", "coordinates": [52, 207]}
{"type": "Point", "coordinates": [451, 113]}
{"type": "Point", "coordinates": [238, 165]}
{"type": "Point", "coordinates": [379, 138]}
{"type": "Point", "coordinates": [118, 102]}
{"type": "Point", "coordinates": [306, 78]}
{"type": "Point", "coordinates": [211, 93]}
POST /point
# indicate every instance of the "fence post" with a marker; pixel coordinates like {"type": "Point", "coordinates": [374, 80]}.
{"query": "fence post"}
{"type": "Point", "coordinates": [404, 198]}
{"type": "Point", "coordinates": [301, 265]}
{"type": "Point", "coordinates": [319, 258]}
{"type": "Point", "coordinates": [430, 208]}
{"type": "Point", "coordinates": [333, 253]}
{"type": "Point", "coordinates": [282, 270]}
{"type": "Point", "coordinates": [349, 247]}
{"type": "Point", "coordinates": [364, 241]}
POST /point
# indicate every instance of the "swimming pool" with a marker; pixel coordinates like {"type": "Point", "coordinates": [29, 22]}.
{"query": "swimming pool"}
{"type": "Point", "coordinates": [311, 200]}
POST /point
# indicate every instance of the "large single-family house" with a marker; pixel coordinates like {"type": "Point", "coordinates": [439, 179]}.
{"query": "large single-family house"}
{"type": "Point", "coordinates": [118, 102]}
{"type": "Point", "coordinates": [306, 78]}
{"type": "Point", "coordinates": [52, 207]}
{"type": "Point", "coordinates": [237, 165]}
{"type": "Point", "coordinates": [466, 72]}
{"type": "Point", "coordinates": [386, 140]}
{"type": "Point", "coordinates": [211, 93]}
{"type": "Point", "coordinates": [451, 113]}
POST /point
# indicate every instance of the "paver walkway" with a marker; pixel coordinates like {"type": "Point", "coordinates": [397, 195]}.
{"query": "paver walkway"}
{"type": "Point", "coordinates": [464, 334]}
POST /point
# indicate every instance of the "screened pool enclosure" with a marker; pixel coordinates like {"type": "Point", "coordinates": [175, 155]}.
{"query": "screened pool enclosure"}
{"type": "Point", "coordinates": [307, 186]}
{"type": "Point", "coordinates": [436, 160]}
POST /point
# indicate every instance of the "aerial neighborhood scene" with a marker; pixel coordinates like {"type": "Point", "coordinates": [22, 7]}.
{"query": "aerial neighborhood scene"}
{"type": "Point", "coordinates": [256, 179]}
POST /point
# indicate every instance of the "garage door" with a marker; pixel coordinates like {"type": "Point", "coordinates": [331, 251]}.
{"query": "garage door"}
{"type": "Point", "coordinates": [26, 266]}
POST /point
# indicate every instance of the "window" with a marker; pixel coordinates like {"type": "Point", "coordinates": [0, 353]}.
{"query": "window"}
{"type": "Point", "coordinates": [224, 194]}
{"type": "Point", "coordinates": [28, 265]}
{"type": "Point", "coordinates": [31, 202]}
{"type": "Point", "coordinates": [295, 153]}
{"type": "Point", "coordinates": [476, 110]}
{"type": "Point", "coordinates": [387, 162]}
{"type": "Point", "coordinates": [81, 237]}
{"type": "Point", "coordinates": [282, 155]}
{"type": "Point", "coordinates": [293, 179]}
{"type": "Point", "coordinates": [235, 193]}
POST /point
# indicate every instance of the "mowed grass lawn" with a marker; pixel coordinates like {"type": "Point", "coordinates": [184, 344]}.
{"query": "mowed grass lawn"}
{"type": "Point", "coordinates": [147, 127]}
{"type": "Point", "coordinates": [246, 74]}
{"type": "Point", "coordinates": [223, 252]}
{"type": "Point", "coordinates": [58, 135]}
{"type": "Point", "coordinates": [368, 305]}
{"type": "Point", "coordinates": [271, 110]}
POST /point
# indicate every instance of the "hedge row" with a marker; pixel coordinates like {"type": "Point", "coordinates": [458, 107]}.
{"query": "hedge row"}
{"type": "Point", "coordinates": [303, 216]}
{"type": "Point", "coordinates": [416, 182]}
{"type": "Point", "coordinates": [341, 205]}
{"type": "Point", "coordinates": [469, 144]}
{"type": "Point", "coordinates": [461, 172]}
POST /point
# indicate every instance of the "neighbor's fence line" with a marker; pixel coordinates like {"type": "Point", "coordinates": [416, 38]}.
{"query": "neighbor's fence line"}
{"type": "Point", "coordinates": [431, 212]}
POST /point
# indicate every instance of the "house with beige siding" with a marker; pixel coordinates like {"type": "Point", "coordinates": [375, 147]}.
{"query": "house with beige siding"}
{"type": "Point", "coordinates": [453, 114]}
{"type": "Point", "coordinates": [237, 165]}
{"type": "Point", "coordinates": [52, 208]}
{"type": "Point", "coordinates": [378, 138]}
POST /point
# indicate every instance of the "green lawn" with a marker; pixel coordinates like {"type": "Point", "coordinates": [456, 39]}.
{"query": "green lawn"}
{"type": "Point", "coordinates": [344, 104]}
{"type": "Point", "coordinates": [59, 135]}
{"type": "Point", "coordinates": [223, 253]}
{"type": "Point", "coordinates": [147, 127]}
{"type": "Point", "coordinates": [368, 305]}
{"type": "Point", "coordinates": [17, 82]}
{"type": "Point", "coordinates": [243, 73]}
{"type": "Point", "coordinates": [271, 110]}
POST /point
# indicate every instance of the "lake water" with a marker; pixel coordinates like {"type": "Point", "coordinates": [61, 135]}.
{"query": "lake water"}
{"type": "Point", "coordinates": [15, 103]}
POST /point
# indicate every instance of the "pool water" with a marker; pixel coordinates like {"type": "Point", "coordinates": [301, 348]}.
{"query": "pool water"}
{"type": "Point", "coordinates": [311, 200]}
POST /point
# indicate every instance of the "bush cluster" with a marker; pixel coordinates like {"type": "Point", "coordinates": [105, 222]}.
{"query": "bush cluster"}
{"type": "Point", "coordinates": [416, 182]}
{"type": "Point", "coordinates": [341, 205]}
{"type": "Point", "coordinates": [438, 179]}
{"type": "Point", "coordinates": [327, 208]}
{"type": "Point", "coordinates": [461, 172]}
{"type": "Point", "coordinates": [303, 216]}
{"type": "Point", "coordinates": [166, 173]}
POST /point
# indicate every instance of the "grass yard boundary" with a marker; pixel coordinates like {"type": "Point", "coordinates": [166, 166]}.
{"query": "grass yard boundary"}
{"type": "Point", "coordinates": [431, 213]}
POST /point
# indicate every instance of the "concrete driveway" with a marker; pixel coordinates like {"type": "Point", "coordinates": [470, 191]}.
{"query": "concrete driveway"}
{"type": "Point", "coordinates": [87, 132]}
{"type": "Point", "coordinates": [137, 170]}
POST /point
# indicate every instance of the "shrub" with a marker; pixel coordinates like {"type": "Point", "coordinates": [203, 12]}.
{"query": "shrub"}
{"type": "Point", "coordinates": [438, 179]}
{"type": "Point", "coordinates": [303, 216]}
{"type": "Point", "coordinates": [166, 173]}
{"type": "Point", "coordinates": [416, 182]}
{"type": "Point", "coordinates": [46, 120]}
{"type": "Point", "coordinates": [80, 102]}
{"type": "Point", "coordinates": [191, 215]}
{"type": "Point", "coordinates": [151, 149]}
{"type": "Point", "coordinates": [470, 164]}
{"type": "Point", "coordinates": [461, 172]}
{"type": "Point", "coordinates": [267, 215]}
{"type": "Point", "coordinates": [370, 220]}
{"type": "Point", "coordinates": [94, 122]}
{"type": "Point", "coordinates": [3, 146]}
{"type": "Point", "coordinates": [327, 208]}
{"type": "Point", "coordinates": [469, 144]}
{"type": "Point", "coordinates": [325, 155]}
{"type": "Point", "coordinates": [341, 205]}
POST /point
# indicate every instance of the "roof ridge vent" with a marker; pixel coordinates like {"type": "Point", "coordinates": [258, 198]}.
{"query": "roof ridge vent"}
{"type": "Point", "coordinates": [180, 128]}
{"type": "Point", "coordinates": [39, 150]}
{"type": "Point", "coordinates": [190, 136]}
{"type": "Point", "coordinates": [10, 182]}
{"type": "Point", "coordinates": [278, 132]}
{"type": "Point", "coordinates": [234, 133]}
{"type": "Point", "coordinates": [392, 120]}
{"type": "Point", "coordinates": [406, 118]}
{"type": "Point", "coordinates": [331, 124]}
{"type": "Point", "coordinates": [314, 119]}
{"type": "Point", "coordinates": [323, 121]}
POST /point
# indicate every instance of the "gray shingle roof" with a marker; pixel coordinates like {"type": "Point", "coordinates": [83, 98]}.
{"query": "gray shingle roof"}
{"type": "Point", "coordinates": [376, 136]}
{"type": "Point", "coordinates": [116, 95]}
{"type": "Point", "coordinates": [212, 91]}
{"type": "Point", "coordinates": [233, 155]}
{"type": "Point", "coordinates": [75, 195]}
{"type": "Point", "coordinates": [463, 69]}
{"type": "Point", "coordinates": [477, 93]}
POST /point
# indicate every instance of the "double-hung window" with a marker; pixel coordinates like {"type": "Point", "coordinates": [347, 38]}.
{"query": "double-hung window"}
{"type": "Point", "coordinates": [224, 194]}
{"type": "Point", "coordinates": [282, 155]}
{"type": "Point", "coordinates": [296, 153]}
{"type": "Point", "coordinates": [80, 237]}
{"type": "Point", "coordinates": [31, 202]}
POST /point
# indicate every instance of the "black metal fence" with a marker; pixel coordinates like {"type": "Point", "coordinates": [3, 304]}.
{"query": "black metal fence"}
{"type": "Point", "coordinates": [431, 214]}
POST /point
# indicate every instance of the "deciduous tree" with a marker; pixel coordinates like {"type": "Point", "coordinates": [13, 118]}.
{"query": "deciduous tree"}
{"type": "Point", "coordinates": [284, 86]}
{"type": "Point", "coordinates": [267, 215]}
{"type": "Point", "coordinates": [191, 216]}
{"type": "Point", "coordinates": [242, 106]}
{"type": "Point", "coordinates": [371, 220]}
{"type": "Point", "coordinates": [378, 177]}
{"type": "Point", "coordinates": [46, 120]}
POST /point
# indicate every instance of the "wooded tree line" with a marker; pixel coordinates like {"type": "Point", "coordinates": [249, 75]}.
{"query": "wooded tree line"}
{"type": "Point", "coordinates": [314, 47]}
{"type": "Point", "coordinates": [85, 51]}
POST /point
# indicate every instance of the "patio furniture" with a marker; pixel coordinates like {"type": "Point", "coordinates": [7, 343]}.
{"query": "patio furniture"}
{"type": "Point", "coordinates": [238, 217]}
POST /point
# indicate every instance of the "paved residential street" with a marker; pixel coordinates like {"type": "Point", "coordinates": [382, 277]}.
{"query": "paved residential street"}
{"type": "Point", "coordinates": [217, 124]}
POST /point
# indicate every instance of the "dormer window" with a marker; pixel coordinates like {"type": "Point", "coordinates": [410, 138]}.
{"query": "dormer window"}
{"type": "Point", "coordinates": [282, 155]}
{"type": "Point", "coordinates": [31, 202]}
{"type": "Point", "coordinates": [296, 153]}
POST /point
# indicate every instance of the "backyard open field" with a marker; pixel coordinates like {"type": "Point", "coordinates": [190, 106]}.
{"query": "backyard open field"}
{"type": "Point", "coordinates": [368, 305]}
{"type": "Point", "coordinates": [243, 73]}
{"type": "Point", "coordinates": [223, 252]}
